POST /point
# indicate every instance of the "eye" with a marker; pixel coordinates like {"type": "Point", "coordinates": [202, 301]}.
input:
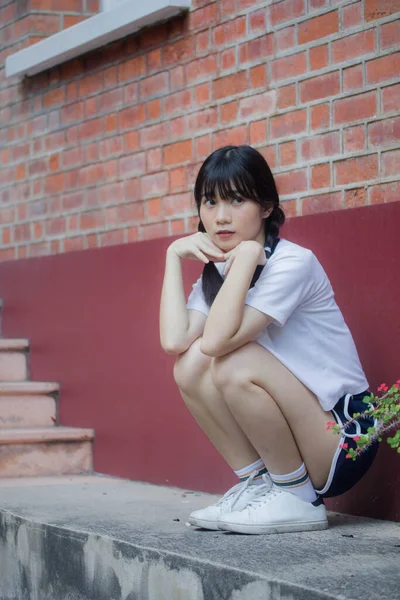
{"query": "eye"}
{"type": "Point", "coordinates": [239, 200]}
{"type": "Point", "coordinates": [206, 200]}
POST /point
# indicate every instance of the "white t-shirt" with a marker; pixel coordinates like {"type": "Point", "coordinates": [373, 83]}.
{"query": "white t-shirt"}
{"type": "Point", "coordinates": [308, 334]}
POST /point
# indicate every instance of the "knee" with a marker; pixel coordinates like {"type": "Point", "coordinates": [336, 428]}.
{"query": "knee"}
{"type": "Point", "coordinates": [190, 366]}
{"type": "Point", "coordinates": [227, 374]}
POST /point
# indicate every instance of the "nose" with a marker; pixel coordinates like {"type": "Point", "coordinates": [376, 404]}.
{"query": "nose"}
{"type": "Point", "coordinates": [223, 213]}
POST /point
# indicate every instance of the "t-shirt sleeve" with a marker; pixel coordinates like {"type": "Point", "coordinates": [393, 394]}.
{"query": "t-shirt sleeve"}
{"type": "Point", "coordinates": [196, 300]}
{"type": "Point", "coordinates": [282, 287]}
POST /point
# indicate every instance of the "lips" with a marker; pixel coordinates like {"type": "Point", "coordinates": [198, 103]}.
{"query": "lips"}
{"type": "Point", "coordinates": [224, 231]}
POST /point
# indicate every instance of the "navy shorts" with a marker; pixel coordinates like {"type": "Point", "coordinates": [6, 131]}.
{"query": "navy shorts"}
{"type": "Point", "coordinates": [345, 472]}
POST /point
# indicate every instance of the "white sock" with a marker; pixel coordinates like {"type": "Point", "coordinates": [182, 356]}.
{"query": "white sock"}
{"type": "Point", "coordinates": [245, 472]}
{"type": "Point", "coordinates": [297, 483]}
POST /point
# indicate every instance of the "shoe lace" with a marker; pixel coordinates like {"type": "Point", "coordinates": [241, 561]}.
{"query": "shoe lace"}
{"type": "Point", "coordinates": [241, 489]}
{"type": "Point", "coordinates": [264, 497]}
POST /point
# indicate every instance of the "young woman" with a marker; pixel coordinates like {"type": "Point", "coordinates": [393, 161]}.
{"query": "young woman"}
{"type": "Point", "coordinates": [264, 356]}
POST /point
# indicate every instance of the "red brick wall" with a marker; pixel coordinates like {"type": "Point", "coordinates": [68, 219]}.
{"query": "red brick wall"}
{"type": "Point", "coordinates": [105, 149]}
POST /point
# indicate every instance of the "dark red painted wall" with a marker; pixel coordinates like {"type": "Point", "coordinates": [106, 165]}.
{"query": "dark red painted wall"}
{"type": "Point", "coordinates": [92, 319]}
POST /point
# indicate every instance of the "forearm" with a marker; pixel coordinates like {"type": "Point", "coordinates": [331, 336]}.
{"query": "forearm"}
{"type": "Point", "coordinates": [226, 312]}
{"type": "Point", "coordinates": [174, 319]}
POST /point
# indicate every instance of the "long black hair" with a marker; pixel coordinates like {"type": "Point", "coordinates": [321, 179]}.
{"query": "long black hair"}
{"type": "Point", "coordinates": [238, 171]}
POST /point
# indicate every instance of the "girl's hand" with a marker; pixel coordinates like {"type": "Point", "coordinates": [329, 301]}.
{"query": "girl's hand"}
{"type": "Point", "coordinates": [197, 246]}
{"type": "Point", "coordinates": [249, 247]}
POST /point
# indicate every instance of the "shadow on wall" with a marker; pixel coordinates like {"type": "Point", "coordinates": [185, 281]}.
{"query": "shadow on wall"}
{"type": "Point", "coordinates": [92, 320]}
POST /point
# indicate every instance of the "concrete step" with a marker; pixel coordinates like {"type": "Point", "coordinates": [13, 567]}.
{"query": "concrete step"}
{"type": "Point", "coordinates": [36, 452]}
{"type": "Point", "coordinates": [129, 540]}
{"type": "Point", "coordinates": [13, 359]}
{"type": "Point", "coordinates": [27, 411]}
{"type": "Point", "coordinates": [28, 388]}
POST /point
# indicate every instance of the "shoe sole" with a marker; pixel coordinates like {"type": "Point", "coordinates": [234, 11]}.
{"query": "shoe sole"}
{"type": "Point", "coordinates": [213, 525]}
{"type": "Point", "coordinates": [266, 529]}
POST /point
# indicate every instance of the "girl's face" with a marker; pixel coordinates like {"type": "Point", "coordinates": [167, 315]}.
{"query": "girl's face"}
{"type": "Point", "coordinates": [242, 217]}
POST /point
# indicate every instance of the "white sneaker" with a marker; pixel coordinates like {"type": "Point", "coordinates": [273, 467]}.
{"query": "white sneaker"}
{"type": "Point", "coordinates": [275, 512]}
{"type": "Point", "coordinates": [236, 498]}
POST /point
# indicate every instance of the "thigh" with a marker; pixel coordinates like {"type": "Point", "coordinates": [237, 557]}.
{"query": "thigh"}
{"type": "Point", "coordinates": [300, 407]}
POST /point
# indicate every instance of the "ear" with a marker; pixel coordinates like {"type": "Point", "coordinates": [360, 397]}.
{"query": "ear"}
{"type": "Point", "coordinates": [266, 213]}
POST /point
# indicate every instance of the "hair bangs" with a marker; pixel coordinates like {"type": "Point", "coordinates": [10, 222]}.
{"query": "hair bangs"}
{"type": "Point", "coordinates": [228, 178]}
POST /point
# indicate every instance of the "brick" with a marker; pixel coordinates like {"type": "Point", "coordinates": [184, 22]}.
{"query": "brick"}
{"type": "Point", "coordinates": [110, 101]}
{"type": "Point", "coordinates": [381, 69]}
{"type": "Point", "coordinates": [321, 203]}
{"type": "Point", "coordinates": [352, 15]}
{"type": "Point", "coordinates": [235, 136]}
{"type": "Point", "coordinates": [153, 231]}
{"type": "Point", "coordinates": [178, 204]}
{"type": "Point", "coordinates": [205, 119]}
{"type": "Point", "coordinates": [230, 85]}
{"type": "Point", "coordinates": [202, 148]}
{"type": "Point", "coordinates": [202, 17]}
{"type": "Point", "coordinates": [54, 162]}
{"type": "Point", "coordinates": [354, 198]}
{"type": "Point", "coordinates": [287, 153]}
{"type": "Point", "coordinates": [112, 146]}
{"type": "Point", "coordinates": [319, 57]}
{"type": "Point", "coordinates": [390, 34]}
{"type": "Point", "coordinates": [289, 66]}
{"type": "Point", "coordinates": [154, 135]}
{"type": "Point", "coordinates": [54, 97]}
{"type": "Point", "coordinates": [156, 85]}
{"type": "Point", "coordinates": [320, 87]}
{"type": "Point", "coordinates": [131, 93]}
{"type": "Point", "coordinates": [390, 98]}
{"type": "Point", "coordinates": [132, 69]}
{"type": "Point", "coordinates": [90, 175]}
{"type": "Point", "coordinates": [155, 60]}
{"type": "Point", "coordinates": [229, 111]}
{"type": "Point", "coordinates": [385, 192]}
{"type": "Point", "coordinates": [154, 160]}
{"type": "Point", "coordinates": [320, 176]}
{"type": "Point", "coordinates": [153, 110]}
{"type": "Point", "coordinates": [202, 68]}
{"type": "Point", "coordinates": [318, 27]}
{"type": "Point", "coordinates": [353, 78]}
{"type": "Point", "coordinates": [286, 11]}
{"type": "Point", "coordinates": [131, 141]}
{"type": "Point", "coordinates": [179, 152]}
{"type": "Point", "coordinates": [351, 170]}
{"type": "Point", "coordinates": [91, 129]}
{"type": "Point", "coordinates": [177, 177]}
{"type": "Point", "coordinates": [177, 127]}
{"type": "Point", "coordinates": [73, 201]}
{"type": "Point", "coordinates": [91, 84]}
{"type": "Point", "coordinates": [132, 117]}
{"type": "Point", "coordinates": [258, 132]}
{"type": "Point", "coordinates": [258, 76]}
{"type": "Point", "coordinates": [287, 96]}
{"type": "Point", "coordinates": [177, 226]}
{"type": "Point", "coordinates": [133, 165]}
{"type": "Point", "coordinates": [354, 138]}
{"type": "Point", "coordinates": [70, 20]}
{"type": "Point", "coordinates": [22, 233]}
{"type": "Point", "coordinates": [391, 163]}
{"type": "Point", "coordinates": [257, 50]}
{"type": "Point", "coordinates": [44, 24]}
{"type": "Point", "coordinates": [228, 59]}
{"type": "Point", "coordinates": [229, 32]}
{"type": "Point", "coordinates": [56, 5]}
{"type": "Point", "coordinates": [285, 38]}
{"type": "Point", "coordinates": [55, 183]}
{"type": "Point", "coordinates": [353, 46]}
{"type": "Point", "coordinates": [288, 124]}
{"type": "Point", "coordinates": [178, 103]}
{"type": "Point", "coordinates": [154, 209]}
{"type": "Point", "coordinates": [177, 78]}
{"type": "Point", "coordinates": [319, 146]}
{"type": "Point", "coordinates": [90, 107]}
{"type": "Point", "coordinates": [110, 77]}
{"type": "Point", "coordinates": [291, 182]}
{"type": "Point", "coordinates": [56, 226]}
{"type": "Point", "coordinates": [72, 112]}
{"type": "Point", "coordinates": [256, 105]}
{"type": "Point", "coordinates": [202, 93]}
{"type": "Point", "coordinates": [384, 133]}
{"type": "Point", "coordinates": [362, 106]}
{"type": "Point", "coordinates": [92, 152]}
{"type": "Point", "coordinates": [258, 21]}
{"type": "Point", "coordinates": [202, 42]}
{"type": "Point", "coordinates": [92, 220]}
{"type": "Point", "coordinates": [377, 9]}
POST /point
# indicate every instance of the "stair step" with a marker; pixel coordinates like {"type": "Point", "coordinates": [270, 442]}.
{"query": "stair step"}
{"type": "Point", "coordinates": [27, 388]}
{"type": "Point", "coordinates": [13, 359]}
{"type": "Point", "coordinates": [45, 434]}
{"type": "Point", "coordinates": [43, 452]}
{"type": "Point", "coordinates": [13, 344]}
{"type": "Point", "coordinates": [27, 411]}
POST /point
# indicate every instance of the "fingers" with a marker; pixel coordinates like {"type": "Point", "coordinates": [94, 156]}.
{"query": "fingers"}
{"type": "Point", "coordinates": [201, 256]}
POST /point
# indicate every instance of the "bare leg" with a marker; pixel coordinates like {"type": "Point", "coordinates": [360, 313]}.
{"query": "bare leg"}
{"type": "Point", "coordinates": [282, 418]}
{"type": "Point", "coordinates": [207, 405]}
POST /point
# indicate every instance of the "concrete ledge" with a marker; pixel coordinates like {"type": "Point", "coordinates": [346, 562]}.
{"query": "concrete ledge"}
{"type": "Point", "coordinates": [129, 541]}
{"type": "Point", "coordinates": [106, 27]}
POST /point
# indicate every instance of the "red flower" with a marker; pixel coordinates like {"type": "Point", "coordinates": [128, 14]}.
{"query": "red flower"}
{"type": "Point", "coordinates": [383, 388]}
{"type": "Point", "coordinates": [396, 386]}
{"type": "Point", "coordinates": [356, 438]}
{"type": "Point", "coordinates": [348, 456]}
